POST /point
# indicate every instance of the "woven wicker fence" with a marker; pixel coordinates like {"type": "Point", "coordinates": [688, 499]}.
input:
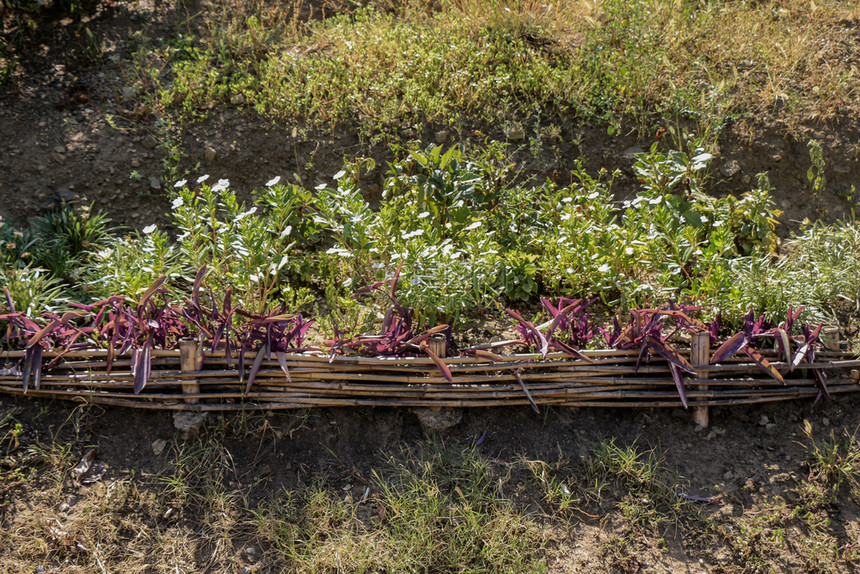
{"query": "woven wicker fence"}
{"type": "Point", "coordinates": [191, 379]}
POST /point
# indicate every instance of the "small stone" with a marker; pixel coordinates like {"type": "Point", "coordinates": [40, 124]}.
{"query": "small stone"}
{"type": "Point", "coordinates": [632, 152]}
{"type": "Point", "coordinates": [64, 507]}
{"type": "Point", "coordinates": [158, 446]}
{"type": "Point", "coordinates": [825, 421]}
{"type": "Point", "coordinates": [515, 132]}
{"type": "Point", "coordinates": [776, 158]}
{"type": "Point", "coordinates": [135, 163]}
{"type": "Point", "coordinates": [770, 428]}
{"type": "Point", "coordinates": [720, 431]}
{"type": "Point", "coordinates": [438, 419]}
{"type": "Point", "coordinates": [746, 179]}
{"type": "Point", "coordinates": [59, 158]}
{"type": "Point", "coordinates": [154, 183]}
{"type": "Point", "coordinates": [209, 154]}
{"type": "Point", "coordinates": [237, 100]}
{"type": "Point", "coordinates": [728, 475]}
{"type": "Point", "coordinates": [250, 554]}
{"type": "Point", "coordinates": [442, 136]}
{"type": "Point", "coordinates": [188, 423]}
{"type": "Point", "coordinates": [59, 149]}
{"type": "Point", "coordinates": [763, 420]}
{"type": "Point", "coordinates": [149, 141]}
{"type": "Point", "coordinates": [128, 92]}
{"type": "Point", "coordinates": [711, 436]}
{"type": "Point", "coordinates": [730, 168]}
{"type": "Point", "coordinates": [66, 195]}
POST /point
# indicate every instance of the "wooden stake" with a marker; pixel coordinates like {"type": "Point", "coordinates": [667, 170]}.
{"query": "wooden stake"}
{"type": "Point", "coordinates": [188, 352]}
{"type": "Point", "coordinates": [439, 346]}
{"type": "Point", "coordinates": [700, 354]}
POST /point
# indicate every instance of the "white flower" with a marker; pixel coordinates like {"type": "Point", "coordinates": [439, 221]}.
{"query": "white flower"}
{"type": "Point", "coordinates": [273, 181]}
{"type": "Point", "coordinates": [567, 200]}
{"type": "Point", "coordinates": [202, 178]}
{"type": "Point", "coordinates": [149, 229]}
{"type": "Point", "coordinates": [565, 216]}
{"type": "Point", "coordinates": [412, 234]}
{"type": "Point", "coordinates": [180, 183]}
{"type": "Point", "coordinates": [604, 268]}
{"type": "Point", "coordinates": [629, 251]}
{"type": "Point", "coordinates": [474, 225]}
{"type": "Point", "coordinates": [178, 202]}
{"type": "Point", "coordinates": [423, 214]}
{"type": "Point", "coordinates": [656, 200]}
{"type": "Point", "coordinates": [221, 185]}
{"type": "Point", "coordinates": [242, 215]}
{"type": "Point", "coordinates": [569, 270]}
{"type": "Point", "coordinates": [593, 195]}
{"type": "Point", "coordinates": [339, 174]}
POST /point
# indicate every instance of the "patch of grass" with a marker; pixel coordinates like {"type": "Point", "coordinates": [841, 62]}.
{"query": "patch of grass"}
{"type": "Point", "coordinates": [392, 65]}
{"type": "Point", "coordinates": [439, 510]}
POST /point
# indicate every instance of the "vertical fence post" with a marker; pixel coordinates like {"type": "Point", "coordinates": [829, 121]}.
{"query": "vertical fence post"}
{"type": "Point", "coordinates": [188, 353]}
{"type": "Point", "coordinates": [700, 354]}
{"type": "Point", "coordinates": [439, 345]}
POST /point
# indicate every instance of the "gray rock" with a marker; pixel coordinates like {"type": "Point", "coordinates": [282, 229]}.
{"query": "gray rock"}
{"type": "Point", "coordinates": [158, 446]}
{"type": "Point", "coordinates": [154, 183]}
{"type": "Point", "coordinates": [438, 419]}
{"type": "Point", "coordinates": [237, 100]}
{"type": "Point", "coordinates": [149, 141]}
{"type": "Point", "coordinates": [209, 154]}
{"type": "Point", "coordinates": [128, 92]}
{"type": "Point", "coordinates": [66, 195]}
{"type": "Point", "coordinates": [730, 168]}
{"type": "Point", "coordinates": [515, 132]}
{"type": "Point", "coordinates": [442, 136]}
{"type": "Point", "coordinates": [188, 423]}
{"type": "Point", "coordinates": [632, 152]}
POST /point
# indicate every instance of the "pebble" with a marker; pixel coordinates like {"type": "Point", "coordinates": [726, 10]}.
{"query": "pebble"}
{"type": "Point", "coordinates": [442, 136]}
{"type": "Point", "coordinates": [770, 428]}
{"type": "Point", "coordinates": [730, 168]}
{"type": "Point", "coordinates": [149, 141]}
{"type": "Point", "coordinates": [437, 419]}
{"type": "Point", "coordinates": [250, 553]}
{"type": "Point", "coordinates": [728, 475]}
{"type": "Point", "coordinates": [154, 183]}
{"type": "Point", "coordinates": [128, 92]}
{"type": "Point", "coordinates": [515, 132]}
{"type": "Point", "coordinates": [59, 149]}
{"type": "Point", "coordinates": [158, 446]}
{"type": "Point", "coordinates": [188, 424]}
{"type": "Point", "coordinates": [237, 100]}
{"type": "Point", "coordinates": [632, 152]}
{"type": "Point", "coordinates": [209, 154]}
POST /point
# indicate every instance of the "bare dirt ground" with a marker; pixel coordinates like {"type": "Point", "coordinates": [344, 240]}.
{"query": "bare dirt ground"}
{"type": "Point", "coordinates": [747, 460]}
